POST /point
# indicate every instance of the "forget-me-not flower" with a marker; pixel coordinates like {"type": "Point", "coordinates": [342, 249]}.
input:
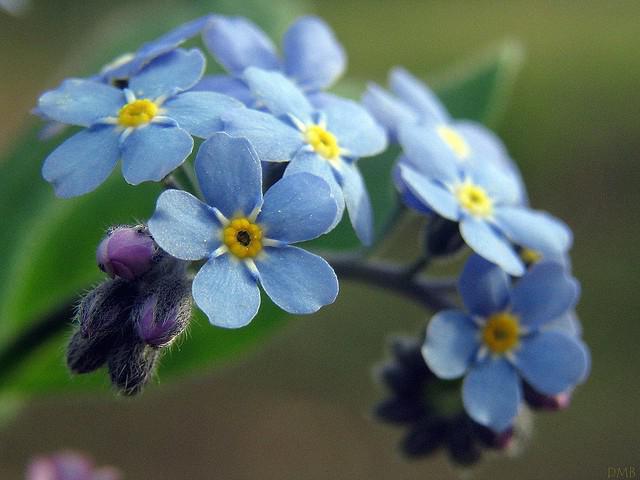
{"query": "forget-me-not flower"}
{"type": "Point", "coordinates": [501, 339]}
{"type": "Point", "coordinates": [324, 142]}
{"type": "Point", "coordinates": [483, 199]}
{"type": "Point", "coordinates": [412, 104]}
{"type": "Point", "coordinates": [245, 238]}
{"type": "Point", "coordinates": [149, 124]}
{"type": "Point", "coordinates": [312, 57]}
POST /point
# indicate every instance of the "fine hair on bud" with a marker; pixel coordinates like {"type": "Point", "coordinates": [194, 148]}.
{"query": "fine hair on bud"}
{"type": "Point", "coordinates": [131, 366]}
{"type": "Point", "coordinates": [163, 311]}
{"type": "Point", "coordinates": [85, 355]}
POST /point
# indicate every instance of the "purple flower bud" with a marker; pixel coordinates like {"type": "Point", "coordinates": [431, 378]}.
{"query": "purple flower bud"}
{"type": "Point", "coordinates": [491, 439]}
{"type": "Point", "coordinates": [540, 401]}
{"type": "Point", "coordinates": [126, 252]}
{"type": "Point", "coordinates": [165, 313]}
{"type": "Point", "coordinates": [68, 466]}
{"type": "Point", "coordinates": [131, 366]}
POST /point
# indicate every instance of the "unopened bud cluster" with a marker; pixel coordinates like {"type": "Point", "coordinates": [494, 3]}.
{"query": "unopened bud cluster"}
{"type": "Point", "coordinates": [125, 321]}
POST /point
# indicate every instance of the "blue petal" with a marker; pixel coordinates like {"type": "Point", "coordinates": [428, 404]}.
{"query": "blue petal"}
{"type": "Point", "coordinates": [483, 144]}
{"type": "Point", "coordinates": [199, 112]}
{"type": "Point", "coordinates": [433, 195]}
{"type": "Point", "coordinates": [226, 292]}
{"type": "Point", "coordinates": [491, 393]}
{"type": "Point", "coordinates": [296, 280]}
{"type": "Point", "coordinates": [543, 294]}
{"type": "Point", "coordinates": [171, 72]}
{"type": "Point", "coordinates": [274, 140]}
{"type": "Point", "coordinates": [416, 93]}
{"type": "Point", "coordinates": [313, 56]}
{"type": "Point", "coordinates": [502, 187]}
{"type": "Point", "coordinates": [488, 243]}
{"type": "Point", "coordinates": [152, 152]}
{"type": "Point", "coordinates": [408, 197]}
{"type": "Point", "coordinates": [297, 208]}
{"type": "Point", "coordinates": [81, 102]}
{"type": "Point", "coordinates": [451, 344]}
{"type": "Point", "coordinates": [354, 128]}
{"type": "Point", "coordinates": [83, 161]}
{"type": "Point", "coordinates": [534, 229]}
{"type": "Point", "coordinates": [426, 151]}
{"type": "Point", "coordinates": [278, 94]}
{"type": "Point", "coordinates": [173, 39]}
{"type": "Point", "coordinates": [183, 226]}
{"type": "Point", "coordinates": [229, 174]}
{"type": "Point", "coordinates": [309, 162]}
{"type": "Point", "coordinates": [386, 109]}
{"type": "Point", "coordinates": [237, 43]}
{"type": "Point", "coordinates": [484, 287]}
{"type": "Point", "coordinates": [357, 201]}
{"type": "Point", "coordinates": [567, 323]}
{"type": "Point", "coordinates": [228, 85]}
{"type": "Point", "coordinates": [551, 362]}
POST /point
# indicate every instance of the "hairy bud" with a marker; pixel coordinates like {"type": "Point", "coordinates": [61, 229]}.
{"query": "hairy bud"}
{"type": "Point", "coordinates": [164, 313]}
{"type": "Point", "coordinates": [131, 366]}
{"type": "Point", "coordinates": [126, 252]}
{"type": "Point", "coordinates": [540, 401]}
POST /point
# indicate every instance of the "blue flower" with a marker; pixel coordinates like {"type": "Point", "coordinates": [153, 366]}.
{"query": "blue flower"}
{"type": "Point", "coordinates": [414, 105]}
{"type": "Point", "coordinates": [312, 57]}
{"type": "Point", "coordinates": [502, 339]}
{"type": "Point", "coordinates": [149, 125]}
{"type": "Point", "coordinates": [326, 143]}
{"type": "Point", "coordinates": [483, 199]}
{"type": "Point", "coordinates": [245, 238]}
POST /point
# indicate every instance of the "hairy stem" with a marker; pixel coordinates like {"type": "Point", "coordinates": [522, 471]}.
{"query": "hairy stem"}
{"type": "Point", "coordinates": [430, 293]}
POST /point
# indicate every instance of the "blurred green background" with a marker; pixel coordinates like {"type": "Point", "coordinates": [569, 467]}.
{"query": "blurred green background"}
{"type": "Point", "coordinates": [298, 407]}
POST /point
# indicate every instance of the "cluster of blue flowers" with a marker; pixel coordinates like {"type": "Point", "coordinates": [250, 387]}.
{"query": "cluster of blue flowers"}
{"type": "Point", "coordinates": [279, 165]}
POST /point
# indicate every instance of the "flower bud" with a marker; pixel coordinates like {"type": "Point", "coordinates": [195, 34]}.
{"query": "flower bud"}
{"type": "Point", "coordinates": [85, 355]}
{"type": "Point", "coordinates": [131, 366]}
{"type": "Point", "coordinates": [126, 252]}
{"type": "Point", "coordinates": [540, 401]}
{"type": "Point", "coordinates": [165, 312]}
{"type": "Point", "coordinates": [491, 439]}
{"type": "Point", "coordinates": [442, 237]}
{"type": "Point", "coordinates": [424, 438]}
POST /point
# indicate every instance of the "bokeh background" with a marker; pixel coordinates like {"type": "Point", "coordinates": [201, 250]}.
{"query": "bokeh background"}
{"type": "Point", "coordinates": [298, 407]}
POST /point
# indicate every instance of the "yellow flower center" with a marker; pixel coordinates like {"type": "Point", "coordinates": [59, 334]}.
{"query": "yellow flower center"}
{"type": "Point", "coordinates": [474, 199]}
{"type": "Point", "coordinates": [243, 238]}
{"type": "Point", "coordinates": [501, 333]}
{"type": "Point", "coordinates": [455, 141]}
{"type": "Point", "coordinates": [530, 256]}
{"type": "Point", "coordinates": [136, 113]}
{"type": "Point", "coordinates": [322, 141]}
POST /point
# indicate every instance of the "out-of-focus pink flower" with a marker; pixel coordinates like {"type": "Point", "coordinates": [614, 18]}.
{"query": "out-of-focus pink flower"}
{"type": "Point", "coordinates": [69, 466]}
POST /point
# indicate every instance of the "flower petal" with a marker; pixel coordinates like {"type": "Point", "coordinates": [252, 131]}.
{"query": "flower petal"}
{"type": "Point", "coordinates": [277, 93]}
{"type": "Point", "coordinates": [83, 161]}
{"type": "Point", "coordinates": [387, 109]}
{"type": "Point", "coordinates": [174, 38]}
{"type": "Point", "coordinates": [484, 287]}
{"type": "Point", "coordinates": [237, 43]}
{"type": "Point", "coordinates": [428, 153]}
{"type": "Point", "coordinates": [309, 162]}
{"type": "Point", "coordinates": [357, 201]}
{"type": "Point", "coordinates": [227, 85]}
{"type": "Point", "coordinates": [488, 243]}
{"type": "Point", "coordinates": [273, 140]}
{"type": "Point", "coordinates": [174, 71]}
{"type": "Point", "coordinates": [534, 229]}
{"type": "Point", "coordinates": [492, 393]}
{"type": "Point", "coordinates": [226, 292]}
{"type": "Point", "coordinates": [567, 322]}
{"type": "Point", "coordinates": [296, 280]}
{"type": "Point", "coordinates": [544, 293]}
{"type": "Point", "coordinates": [433, 195]}
{"type": "Point", "coordinates": [229, 174]}
{"type": "Point", "coordinates": [451, 344]}
{"type": "Point", "coordinates": [199, 112]}
{"type": "Point", "coordinates": [81, 102]}
{"type": "Point", "coordinates": [313, 56]}
{"type": "Point", "coordinates": [551, 362]}
{"type": "Point", "coordinates": [297, 208]}
{"type": "Point", "coordinates": [152, 152]}
{"type": "Point", "coordinates": [183, 226]}
{"type": "Point", "coordinates": [354, 128]}
{"type": "Point", "coordinates": [416, 93]}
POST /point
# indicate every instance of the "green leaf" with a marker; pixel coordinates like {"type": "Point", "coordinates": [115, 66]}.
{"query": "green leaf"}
{"type": "Point", "coordinates": [49, 244]}
{"type": "Point", "coordinates": [478, 89]}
